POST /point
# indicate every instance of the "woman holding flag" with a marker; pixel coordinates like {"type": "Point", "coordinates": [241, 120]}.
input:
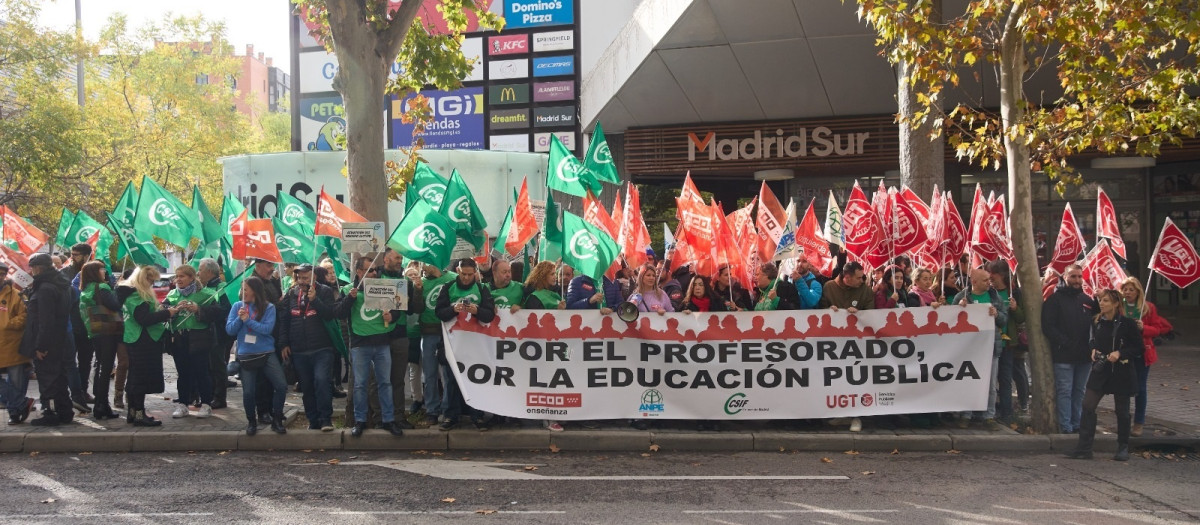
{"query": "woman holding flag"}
{"type": "Point", "coordinates": [192, 339]}
{"type": "Point", "coordinates": [145, 330]}
{"type": "Point", "coordinates": [539, 295]}
{"type": "Point", "coordinates": [773, 293]}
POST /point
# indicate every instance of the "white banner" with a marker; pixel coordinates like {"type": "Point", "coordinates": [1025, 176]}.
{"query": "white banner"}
{"type": "Point", "coordinates": [362, 237]}
{"type": "Point", "coordinates": [573, 365]}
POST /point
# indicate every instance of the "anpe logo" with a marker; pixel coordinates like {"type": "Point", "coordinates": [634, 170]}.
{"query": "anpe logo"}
{"type": "Point", "coordinates": [652, 401]}
{"type": "Point", "coordinates": [553, 400]}
{"type": "Point", "coordinates": [736, 403]}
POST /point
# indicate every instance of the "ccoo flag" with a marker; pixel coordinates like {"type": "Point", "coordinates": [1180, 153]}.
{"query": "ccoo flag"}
{"type": "Point", "coordinates": [161, 215]}
{"type": "Point", "coordinates": [424, 235]}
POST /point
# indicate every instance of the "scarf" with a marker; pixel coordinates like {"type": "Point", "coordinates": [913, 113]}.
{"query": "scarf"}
{"type": "Point", "coordinates": [188, 290]}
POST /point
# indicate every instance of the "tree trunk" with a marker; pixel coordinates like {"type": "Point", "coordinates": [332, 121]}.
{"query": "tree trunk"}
{"type": "Point", "coordinates": [361, 79]}
{"type": "Point", "coordinates": [1012, 69]}
{"type": "Point", "coordinates": [922, 161]}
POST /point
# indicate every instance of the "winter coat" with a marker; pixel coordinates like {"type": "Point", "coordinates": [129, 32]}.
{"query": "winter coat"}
{"type": "Point", "coordinates": [302, 322]}
{"type": "Point", "coordinates": [51, 300]}
{"type": "Point", "coordinates": [12, 326]}
{"type": "Point", "coordinates": [836, 294]}
{"type": "Point", "coordinates": [145, 354]}
{"type": "Point", "coordinates": [808, 289]}
{"type": "Point", "coordinates": [1121, 335]}
{"type": "Point", "coordinates": [1153, 325]}
{"type": "Point", "coordinates": [1066, 320]}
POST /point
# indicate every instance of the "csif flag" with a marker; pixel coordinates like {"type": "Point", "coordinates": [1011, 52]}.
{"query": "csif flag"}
{"type": "Point", "coordinates": [426, 184]}
{"type": "Point", "coordinates": [565, 173]}
{"type": "Point", "coordinates": [599, 160]}
{"type": "Point", "coordinates": [126, 210]}
{"type": "Point", "coordinates": [459, 206]}
{"type": "Point", "coordinates": [586, 248]}
{"type": "Point", "coordinates": [160, 214]}
{"type": "Point", "coordinates": [424, 235]}
{"type": "Point", "coordinates": [142, 252]}
{"type": "Point", "coordinates": [1175, 257]}
{"type": "Point", "coordinates": [85, 229]}
{"type": "Point", "coordinates": [64, 226]}
{"type": "Point", "coordinates": [1106, 223]}
{"type": "Point", "coordinates": [210, 230]}
{"type": "Point", "coordinates": [550, 249]}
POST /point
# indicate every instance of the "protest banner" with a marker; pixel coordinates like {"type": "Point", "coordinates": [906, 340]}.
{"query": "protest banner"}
{"type": "Point", "coordinates": [385, 294]}
{"type": "Point", "coordinates": [362, 237]}
{"type": "Point", "coordinates": [580, 365]}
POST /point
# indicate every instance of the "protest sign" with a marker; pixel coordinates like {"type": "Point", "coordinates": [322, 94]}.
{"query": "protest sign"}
{"type": "Point", "coordinates": [385, 294]}
{"type": "Point", "coordinates": [580, 365]}
{"type": "Point", "coordinates": [362, 237]}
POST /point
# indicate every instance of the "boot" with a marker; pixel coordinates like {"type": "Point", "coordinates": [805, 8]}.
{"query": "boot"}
{"type": "Point", "coordinates": [1122, 453]}
{"type": "Point", "coordinates": [140, 419]}
{"type": "Point", "coordinates": [103, 411]}
{"type": "Point", "coordinates": [119, 399]}
{"type": "Point", "coordinates": [277, 423]}
{"type": "Point", "coordinates": [252, 428]}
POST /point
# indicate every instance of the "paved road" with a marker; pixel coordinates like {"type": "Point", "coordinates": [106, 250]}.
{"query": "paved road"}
{"type": "Point", "coordinates": [544, 487]}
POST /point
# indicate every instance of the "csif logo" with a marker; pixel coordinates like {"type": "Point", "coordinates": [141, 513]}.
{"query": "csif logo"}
{"type": "Point", "coordinates": [434, 194]}
{"type": "Point", "coordinates": [460, 210]}
{"type": "Point", "coordinates": [568, 170]}
{"type": "Point", "coordinates": [583, 246]}
{"type": "Point", "coordinates": [292, 214]}
{"type": "Point", "coordinates": [287, 244]}
{"type": "Point", "coordinates": [431, 298]}
{"type": "Point", "coordinates": [85, 233]}
{"type": "Point", "coordinates": [162, 214]}
{"type": "Point", "coordinates": [602, 154]}
{"type": "Point", "coordinates": [736, 403]}
{"type": "Point", "coordinates": [425, 237]}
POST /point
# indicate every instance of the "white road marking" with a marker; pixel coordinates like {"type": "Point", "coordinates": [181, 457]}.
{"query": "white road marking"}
{"type": "Point", "coordinates": [107, 515]}
{"type": "Point", "coordinates": [167, 460]}
{"type": "Point", "coordinates": [834, 512]}
{"type": "Point", "coordinates": [715, 520]}
{"type": "Point", "coordinates": [467, 470]}
{"type": "Point", "coordinates": [969, 516]}
{"type": "Point", "coordinates": [60, 491]}
{"type": "Point", "coordinates": [435, 512]}
{"type": "Point", "coordinates": [775, 516]}
{"type": "Point", "coordinates": [301, 478]}
{"type": "Point", "coordinates": [1139, 515]}
{"type": "Point", "coordinates": [790, 511]}
{"type": "Point", "coordinates": [90, 424]}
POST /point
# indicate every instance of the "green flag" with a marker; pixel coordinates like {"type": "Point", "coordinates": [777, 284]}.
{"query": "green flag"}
{"type": "Point", "coordinates": [231, 208]}
{"type": "Point", "coordinates": [162, 215]}
{"type": "Point", "coordinates": [126, 209]}
{"type": "Point", "coordinates": [550, 248]}
{"type": "Point", "coordinates": [504, 226]}
{"type": "Point", "coordinates": [295, 214]}
{"type": "Point", "coordinates": [142, 252]}
{"type": "Point", "coordinates": [82, 229]}
{"type": "Point", "coordinates": [296, 245]}
{"type": "Point", "coordinates": [587, 248]}
{"type": "Point", "coordinates": [333, 250]}
{"type": "Point", "coordinates": [459, 206]}
{"type": "Point", "coordinates": [424, 235]}
{"type": "Point", "coordinates": [210, 229]}
{"type": "Point", "coordinates": [599, 161]}
{"type": "Point", "coordinates": [426, 184]}
{"type": "Point", "coordinates": [566, 174]}
{"type": "Point", "coordinates": [233, 287]}
{"type": "Point", "coordinates": [64, 226]}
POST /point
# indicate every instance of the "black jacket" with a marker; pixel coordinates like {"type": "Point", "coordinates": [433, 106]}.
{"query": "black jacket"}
{"type": "Point", "coordinates": [1120, 335]}
{"type": "Point", "coordinates": [302, 322]}
{"type": "Point", "coordinates": [77, 327]}
{"type": "Point", "coordinates": [221, 312]}
{"type": "Point", "coordinates": [1066, 321]}
{"type": "Point", "coordinates": [50, 301]}
{"type": "Point", "coordinates": [741, 298]}
{"type": "Point", "coordinates": [487, 307]}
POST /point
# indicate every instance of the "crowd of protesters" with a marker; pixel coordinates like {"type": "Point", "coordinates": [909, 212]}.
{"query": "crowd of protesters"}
{"type": "Point", "coordinates": [79, 325]}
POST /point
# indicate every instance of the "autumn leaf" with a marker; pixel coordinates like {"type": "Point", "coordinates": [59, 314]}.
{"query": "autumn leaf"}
{"type": "Point", "coordinates": [437, 453]}
{"type": "Point", "coordinates": [85, 453]}
{"type": "Point", "coordinates": [306, 450]}
{"type": "Point", "coordinates": [223, 453]}
{"type": "Point", "coordinates": [49, 500]}
{"type": "Point", "coordinates": [485, 511]}
{"type": "Point", "coordinates": [851, 452]}
{"type": "Point", "coordinates": [868, 472]}
{"type": "Point", "coordinates": [895, 452]}
{"type": "Point", "coordinates": [34, 453]}
{"type": "Point", "coordinates": [448, 500]}
{"type": "Point", "coordinates": [645, 454]}
{"type": "Point", "coordinates": [554, 448]}
{"type": "Point", "coordinates": [654, 447]}
{"type": "Point", "coordinates": [952, 451]}
{"type": "Point", "coordinates": [826, 460]}
{"type": "Point", "coordinates": [334, 461]}
{"type": "Point", "coordinates": [530, 467]}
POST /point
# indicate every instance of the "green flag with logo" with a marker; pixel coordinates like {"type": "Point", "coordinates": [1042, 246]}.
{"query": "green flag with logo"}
{"type": "Point", "coordinates": [424, 235]}
{"type": "Point", "coordinates": [210, 228]}
{"type": "Point", "coordinates": [162, 215]}
{"type": "Point", "coordinates": [459, 206]}
{"type": "Point", "coordinates": [141, 251]}
{"type": "Point", "coordinates": [333, 250]}
{"type": "Point", "coordinates": [599, 161]}
{"type": "Point", "coordinates": [64, 226]}
{"type": "Point", "coordinates": [426, 184]}
{"type": "Point", "coordinates": [294, 213]}
{"type": "Point", "coordinates": [82, 229]}
{"type": "Point", "coordinates": [295, 244]}
{"type": "Point", "coordinates": [587, 248]}
{"type": "Point", "coordinates": [566, 174]}
{"type": "Point", "coordinates": [126, 209]}
{"type": "Point", "coordinates": [550, 248]}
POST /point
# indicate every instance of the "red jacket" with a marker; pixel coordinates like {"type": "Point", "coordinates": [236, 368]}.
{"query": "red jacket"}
{"type": "Point", "coordinates": [1153, 325]}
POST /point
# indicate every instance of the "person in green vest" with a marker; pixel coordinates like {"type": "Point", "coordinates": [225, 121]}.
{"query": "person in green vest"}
{"type": "Point", "coordinates": [145, 341]}
{"type": "Point", "coordinates": [192, 339]}
{"type": "Point", "coordinates": [506, 292]}
{"type": "Point", "coordinates": [464, 295]}
{"type": "Point", "coordinates": [393, 268]}
{"type": "Point", "coordinates": [100, 311]}
{"type": "Point", "coordinates": [431, 339]}
{"type": "Point", "coordinates": [541, 296]}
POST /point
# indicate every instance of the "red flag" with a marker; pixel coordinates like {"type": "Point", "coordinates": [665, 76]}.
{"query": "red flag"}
{"type": "Point", "coordinates": [695, 220]}
{"type": "Point", "coordinates": [595, 214]}
{"type": "Point", "coordinates": [1101, 271]}
{"type": "Point", "coordinates": [27, 236]}
{"type": "Point", "coordinates": [996, 224]}
{"type": "Point", "coordinates": [918, 205]}
{"type": "Point", "coordinates": [862, 231]}
{"type": "Point", "coordinates": [689, 193]}
{"type": "Point", "coordinates": [487, 250]}
{"type": "Point", "coordinates": [935, 226]}
{"type": "Point", "coordinates": [237, 229]}
{"type": "Point", "coordinates": [616, 209]}
{"type": "Point", "coordinates": [770, 214]}
{"type": "Point", "coordinates": [1107, 225]}
{"type": "Point", "coordinates": [1049, 284]}
{"type": "Point", "coordinates": [812, 242]}
{"type": "Point", "coordinates": [739, 219]}
{"type": "Point", "coordinates": [331, 214]}
{"type": "Point", "coordinates": [725, 250]}
{"type": "Point", "coordinates": [1175, 257]}
{"type": "Point", "coordinates": [524, 226]}
{"type": "Point", "coordinates": [18, 266]}
{"type": "Point", "coordinates": [981, 246]}
{"type": "Point", "coordinates": [1069, 244]}
{"type": "Point", "coordinates": [259, 241]}
{"type": "Point", "coordinates": [910, 216]}
{"type": "Point", "coordinates": [634, 237]}
{"type": "Point", "coordinates": [954, 231]}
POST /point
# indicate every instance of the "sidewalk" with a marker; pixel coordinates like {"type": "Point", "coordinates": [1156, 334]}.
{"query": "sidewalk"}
{"type": "Point", "coordinates": [1173, 420]}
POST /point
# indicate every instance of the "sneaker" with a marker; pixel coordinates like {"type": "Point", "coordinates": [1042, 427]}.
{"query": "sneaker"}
{"type": "Point", "coordinates": [181, 410]}
{"type": "Point", "coordinates": [555, 426]}
{"type": "Point", "coordinates": [856, 425]}
{"type": "Point", "coordinates": [48, 420]}
{"type": "Point", "coordinates": [431, 420]}
{"type": "Point", "coordinates": [205, 411]}
{"type": "Point", "coordinates": [448, 424]}
{"type": "Point", "coordinates": [327, 427]}
{"type": "Point", "coordinates": [1136, 431]}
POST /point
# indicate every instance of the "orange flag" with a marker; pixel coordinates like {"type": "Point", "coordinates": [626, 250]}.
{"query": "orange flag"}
{"type": "Point", "coordinates": [595, 214]}
{"type": "Point", "coordinates": [524, 225]}
{"type": "Point", "coordinates": [27, 236]}
{"type": "Point", "coordinates": [258, 241]}
{"type": "Point", "coordinates": [331, 214]}
{"type": "Point", "coordinates": [633, 238]}
{"type": "Point", "coordinates": [771, 214]}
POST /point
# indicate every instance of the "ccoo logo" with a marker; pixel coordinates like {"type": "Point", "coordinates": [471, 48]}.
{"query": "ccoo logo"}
{"type": "Point", "coordinates": [162, 213]}
{"type": "Point", "coordinates": [426, 236]}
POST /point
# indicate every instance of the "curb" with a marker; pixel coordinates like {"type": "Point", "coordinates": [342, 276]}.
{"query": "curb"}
{"type": "Point", "coordinates": [575, 441]}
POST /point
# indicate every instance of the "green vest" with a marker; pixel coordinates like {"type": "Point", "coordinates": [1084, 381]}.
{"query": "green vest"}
{"type": "Point", "coordinates": [133, 330]}
{"type": "Point", "coordinates": [766, 305]}
{"type": "Point", "coordinates": [548, 298]}
{"type": "Point", "coordinates": [472, 294]}
{"type": "Point", "coordinates": [186, 321]}
{"type": "Point", "coordinates": [87, 300]}
{"type": "Point", "coordinates": [364, 322]}
{"type": "Point", "coordinates": [508, 296]}
{"type": "Point", "coordinates": [433, 287]}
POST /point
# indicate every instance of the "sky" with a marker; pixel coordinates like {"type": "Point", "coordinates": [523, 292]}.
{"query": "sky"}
{"type": "Point", "coordinates": [263, 23]}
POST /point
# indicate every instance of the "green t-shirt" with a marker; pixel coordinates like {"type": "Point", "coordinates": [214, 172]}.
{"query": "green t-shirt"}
{"type": "Point", "coordinates": [185, 321]}
{"type": "Point", "coordinates": [433, 287]}
{"type": "Point", "coordinates": [364, 321]}
{"type": "Point", "coordinates": [549, 298]}
{"type": "Point", "coordinates": [984, 298]}
{"type": "Point", "coordinates": [133, 330]}
{"type": "Point", "coordinates": [508, 296]}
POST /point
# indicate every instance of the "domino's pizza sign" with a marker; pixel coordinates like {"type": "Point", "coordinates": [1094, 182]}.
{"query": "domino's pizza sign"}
{"type": "Point", "coordinates": [538, 13]}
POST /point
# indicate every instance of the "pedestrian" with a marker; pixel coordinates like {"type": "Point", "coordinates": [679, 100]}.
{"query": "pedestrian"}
{"type": "Point", "coordinates": [583, 294]}
{"type": "Point", "coordinates": [273, 290]}
{"type": "Point", "coordinates": [145, 340]}
{"type": "Point", "coordinates": [412, 372]}
{"type": "Point", "coordinates": [370, 350]}
{"type": "Point", "coordinates": [808, 284]}
{"type": "Point", "coordinates": [1010, 299]}
{"type": "Point", "coordinates": [772, 292]}
{"type": "Point", "coordinates": [701, 297]}
{"type": "Point", "coordinates": [81, 253]}
{"type": "Point", "coordinates": [464, 295]}
{"type": "Point", "coordinates": [1066, 321]}
{"type": "Point", "coordinates": [46, 339]}
{"type": "Point", "coordinates": [252, 321]}
{"type": "Point", "coordinates": [14, 365]}
{"type": "Point", "coordinates": [101, 312]}
{"type": "Point", "coordinates": [1116, 343]}
{"type": "Point", "coordinates": [209, 273]}
{"type": "Point", "coordinates": [429, 288]}
{"type": "Point", "coordinates": [922, 291]}
{"type": "Point", "coordinates": [648, 296]}
{"type": "Point", "coordinates": [735, 297]}
{"type": "Point", "coordinates": [301, 315]}
{"type": "Point", "coordinates": [541, 296]}
{"type": "Point", "coordinates": [1152, 325]}
{"type": "Point", "coordinates": [893, 292]}
{"type": "Point", "coordinates": [192, 339]}
{"type": "Point", "coordinates": [981, 292]}
{"type": "Point", "coordinates": [506, 292]}
{"type": "Point", "coordinates": [393, 269]}
{"type": "Point", "coordinates": [848, 292]}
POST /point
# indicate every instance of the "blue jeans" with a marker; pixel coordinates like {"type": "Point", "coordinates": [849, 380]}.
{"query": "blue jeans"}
{"type": "Point", "coordinates": [314, 369]}
{"type": "Point", "coordinates": [272, 372]}
{"type": "Point", "coordinates": [1070, 382]}
{"type": "Point", "coordinates": [364, 360]}
{"type": "Point", "coordinates": [429, 374]}
{"type": "Point", "coordinates": [13, 389]}
{"type": "Point", "coordinates": [1139, 401]}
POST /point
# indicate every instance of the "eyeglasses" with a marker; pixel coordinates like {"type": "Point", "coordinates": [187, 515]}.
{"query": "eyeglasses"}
{"type": "Point", "coordinates": [371, 270]}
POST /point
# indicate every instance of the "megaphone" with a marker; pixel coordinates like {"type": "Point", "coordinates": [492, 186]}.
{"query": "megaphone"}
{"type": "Point", "coordinates": [628, 312]}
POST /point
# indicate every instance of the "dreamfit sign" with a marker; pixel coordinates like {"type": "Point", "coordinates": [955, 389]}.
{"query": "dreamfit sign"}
{"type": "Point", "coordinates": [820, 142]}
